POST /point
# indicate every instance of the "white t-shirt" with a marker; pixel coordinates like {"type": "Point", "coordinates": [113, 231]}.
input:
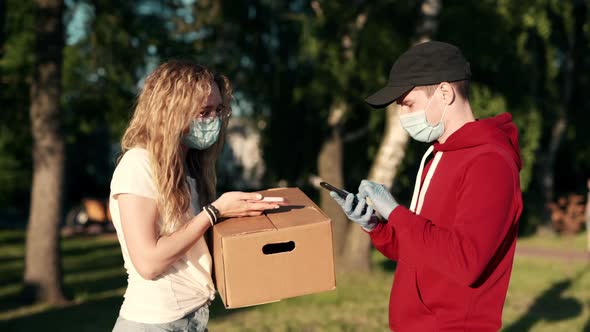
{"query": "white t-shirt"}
{"type": "Point", "coordinates": [187, 284]}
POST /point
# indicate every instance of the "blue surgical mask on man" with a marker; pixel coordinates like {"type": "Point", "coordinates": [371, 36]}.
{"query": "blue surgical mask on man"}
{"type": "Point", "coordinates": [417, 125]}
{"type": "Point", "coordinates": [203, 133]}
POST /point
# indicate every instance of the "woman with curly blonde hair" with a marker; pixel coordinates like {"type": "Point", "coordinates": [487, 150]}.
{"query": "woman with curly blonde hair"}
{"type": "Point", "coordinates": [162, 198]}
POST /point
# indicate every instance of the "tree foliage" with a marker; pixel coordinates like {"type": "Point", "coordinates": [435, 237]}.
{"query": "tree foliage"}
{"type": "Point", "coordinates": [290, 61]}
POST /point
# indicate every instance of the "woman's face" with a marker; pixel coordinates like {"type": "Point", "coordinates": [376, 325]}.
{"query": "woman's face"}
{"type": "Point", "coordinates": [211, 104]}
{"type": "Point", "coordinates": [213, 101]}
{"type": "Point", "coordinates": [204, 131]}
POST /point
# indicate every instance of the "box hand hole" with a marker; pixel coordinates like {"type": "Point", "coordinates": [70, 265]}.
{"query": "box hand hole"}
{"type": "Point", "coordinates": [277, 248]}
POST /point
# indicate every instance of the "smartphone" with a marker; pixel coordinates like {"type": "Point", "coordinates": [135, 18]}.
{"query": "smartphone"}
{"type": "Point", "coordinates": [342, 193]}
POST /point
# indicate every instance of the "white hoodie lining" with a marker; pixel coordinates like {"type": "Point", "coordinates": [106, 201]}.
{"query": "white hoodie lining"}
{"type": "Point", "coordinates": [419, 179]}
{"type": "Point", "coordinates": [420, 190]}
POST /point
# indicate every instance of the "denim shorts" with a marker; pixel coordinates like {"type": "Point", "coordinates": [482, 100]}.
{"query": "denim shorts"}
{"type": "Point", "coordinates": [196, 321]}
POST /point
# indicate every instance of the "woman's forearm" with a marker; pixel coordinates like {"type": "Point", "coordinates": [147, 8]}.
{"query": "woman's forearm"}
{"type": "Point", "coordinates": [172, 247]}
{"type": "Point", "coordinates": [166, 250]}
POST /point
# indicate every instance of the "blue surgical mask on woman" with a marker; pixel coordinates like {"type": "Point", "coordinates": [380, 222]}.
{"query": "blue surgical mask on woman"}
{"type": "Point", "coordinates": [203, 133]}
{"type": "Point", "coordinates": [417, 125]}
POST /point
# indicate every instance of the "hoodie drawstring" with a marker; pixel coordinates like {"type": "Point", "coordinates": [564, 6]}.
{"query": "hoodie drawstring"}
{"type": "Point", "coordinates": [417, 202]}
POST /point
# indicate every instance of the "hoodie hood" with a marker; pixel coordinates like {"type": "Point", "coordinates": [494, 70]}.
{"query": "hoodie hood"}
{"type": "Point", "coordinates": [498, 130]}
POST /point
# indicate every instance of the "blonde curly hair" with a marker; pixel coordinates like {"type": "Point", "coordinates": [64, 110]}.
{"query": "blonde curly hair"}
{"type": "Point", "coordinates": [172, 96]}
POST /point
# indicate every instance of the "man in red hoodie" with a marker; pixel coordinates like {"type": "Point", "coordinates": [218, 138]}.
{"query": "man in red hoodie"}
{"type": "Point", "coordinates": [454, 246]}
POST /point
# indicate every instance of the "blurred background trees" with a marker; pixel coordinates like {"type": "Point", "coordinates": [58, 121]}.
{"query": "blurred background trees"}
{"type": "Point", "coordinates": [301, 70]}
{"type": "Point", "coordinates": [43, 275]}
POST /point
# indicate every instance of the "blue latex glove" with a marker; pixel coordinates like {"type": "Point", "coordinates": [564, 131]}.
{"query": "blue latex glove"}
{"type": "Point", "coordinates": [381, 198]}
{"type": "Point", "coordinates": [354, 213]}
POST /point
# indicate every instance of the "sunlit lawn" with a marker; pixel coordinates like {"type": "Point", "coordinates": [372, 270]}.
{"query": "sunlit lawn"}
{"type": "Point", "coordinates": [546, 294]}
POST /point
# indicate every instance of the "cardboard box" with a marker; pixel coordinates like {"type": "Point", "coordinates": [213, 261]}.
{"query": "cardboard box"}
{"type": "Point", "coordinates": [284, 253]}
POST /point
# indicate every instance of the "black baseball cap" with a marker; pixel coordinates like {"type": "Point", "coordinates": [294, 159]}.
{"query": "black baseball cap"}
{"type": "Point", "coordinates": [427, 63]}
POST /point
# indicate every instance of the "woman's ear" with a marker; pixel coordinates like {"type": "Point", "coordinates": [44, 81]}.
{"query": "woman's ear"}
{"type": "Point", "coordinates": [448, 93]}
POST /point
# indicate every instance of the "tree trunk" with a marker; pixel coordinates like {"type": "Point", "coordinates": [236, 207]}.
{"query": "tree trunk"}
{"type": "Point", "coordinates": [588, 216]}
{"type": "Point", "coordinates": [392, 149]}
{"type": "Point", "coordinates": [574, 38]}
{"type": "Point", "coordinates": [429, 12]}
{"type": "Point", "coordinates": [549, 162]}
{"type": "Point", "coordinates": [389, 156]}
{"type": "Point", "coordinates": [2, 27]}
{"type": "Point", "coordinates": [43, 275]}
{"type": "Point", "coordinates": [352, 245]}
{"type": "Point", "coordinates": [393, 144]}
{"type": "Point", "coordinates": [330, 170]}
{"type": "Point", "coordinates": [3, 35]}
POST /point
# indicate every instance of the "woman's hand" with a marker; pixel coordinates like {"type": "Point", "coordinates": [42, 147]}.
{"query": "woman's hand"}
{"type": "Point", "coordinates": [242, 204]}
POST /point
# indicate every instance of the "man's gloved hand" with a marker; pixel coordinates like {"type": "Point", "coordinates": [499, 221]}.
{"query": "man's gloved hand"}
{"type": "Point", "coordinates": [381, 198]}
{"type": "Point", "coordinates": [355, 213]}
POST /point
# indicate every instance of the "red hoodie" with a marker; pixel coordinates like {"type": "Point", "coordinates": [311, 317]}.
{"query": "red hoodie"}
{"type": "Point", "coordinates": [455, 256]}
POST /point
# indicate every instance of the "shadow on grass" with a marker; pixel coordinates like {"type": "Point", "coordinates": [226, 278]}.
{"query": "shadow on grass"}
{"type": "Point", "coordinates": [13, 241]}
{"type": "Point", "coordinates": [13, 301]}
{"type": "Point", "coordinates": [8, 239]}
{"type": "Point", "coordinates": [83, 248]}
{"type": "Point", "coordinates": [12, 276]}
{"type": "Point", "coordinates": [71, 290]}
{"type": "Point", "coordinates": [550, 306]}
{"type": "Point", "coordinates": [93, 315]}
{"type": "Point", "coordinates": [78, 245]}
{"type": "Point", "coordinates": [11, 272]}
{"type": "Point", "coordinates": [98, 315]}
{"type": "Point", "coordinates": [15, 261]}
{"type": "Point", "coordinates": [105, 262]}
{"type": "Point", "coordinates": [89, 287]}
{"type": "Point", "coordinates": [11, 259]}
{"type": "Point", "coordinates": [85, 285]}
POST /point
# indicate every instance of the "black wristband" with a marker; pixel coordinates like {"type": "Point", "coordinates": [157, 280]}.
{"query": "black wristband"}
{"type": "Point", "coordinates": [216, 212]}
{"type": "Point", "coordinates": [210, 214]}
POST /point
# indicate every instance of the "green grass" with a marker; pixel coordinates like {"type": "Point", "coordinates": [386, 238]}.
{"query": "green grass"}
{"type": "Point", "coordinates": [548, 239]}
{"type": "Point", "coordinates": [545, 294]}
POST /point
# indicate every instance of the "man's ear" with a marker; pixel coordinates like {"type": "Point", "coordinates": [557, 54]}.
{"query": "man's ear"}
{"type": "Point", "coordinates": [447, 92]}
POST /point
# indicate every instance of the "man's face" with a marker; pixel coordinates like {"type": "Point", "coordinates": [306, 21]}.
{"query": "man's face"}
{"type": "Point", "coordinates": [417, 100]}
